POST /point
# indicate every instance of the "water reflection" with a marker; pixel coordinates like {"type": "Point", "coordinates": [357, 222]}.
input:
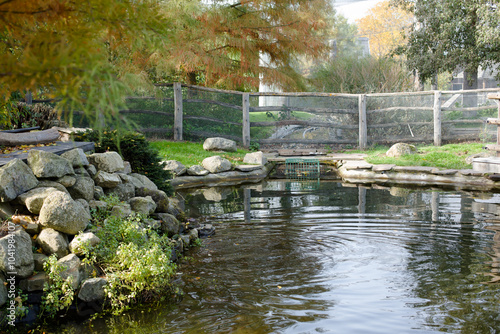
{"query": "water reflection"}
{"type": "Point", "coordinates": [338, 259]}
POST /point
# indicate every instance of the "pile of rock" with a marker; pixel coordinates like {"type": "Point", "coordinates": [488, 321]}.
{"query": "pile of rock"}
{"type": "Point", "coordinates": [46, 205]}
{"type": "Point", "coordinates": [218, 165]}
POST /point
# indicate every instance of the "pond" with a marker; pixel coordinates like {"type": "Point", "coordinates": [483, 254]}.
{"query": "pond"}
{"type": "Point", "coordinates": [332, 258]}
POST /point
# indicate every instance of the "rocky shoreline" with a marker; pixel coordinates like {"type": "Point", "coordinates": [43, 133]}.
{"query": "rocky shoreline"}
{"type": "Point", "coordinates": [46, 207]}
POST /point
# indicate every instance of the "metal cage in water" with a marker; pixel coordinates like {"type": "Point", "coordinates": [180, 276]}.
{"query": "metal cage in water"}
{"type": "Point", "coordinates": [302, 169]}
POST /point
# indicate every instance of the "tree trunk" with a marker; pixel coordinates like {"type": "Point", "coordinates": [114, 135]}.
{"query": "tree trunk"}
{"type": "Point", "coordinates": [36, 137]}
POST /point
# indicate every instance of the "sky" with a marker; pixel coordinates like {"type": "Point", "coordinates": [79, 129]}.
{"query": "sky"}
{"type": "Point", "coordinates": [354, 9]}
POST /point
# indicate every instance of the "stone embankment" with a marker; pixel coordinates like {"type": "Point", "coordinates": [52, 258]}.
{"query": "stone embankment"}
{"type": "Point", "coordinates": [45, 205]}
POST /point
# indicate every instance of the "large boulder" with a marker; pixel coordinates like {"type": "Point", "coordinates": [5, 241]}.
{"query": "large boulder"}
{"type": "Point", "coordinates": [256, 158]}
{"type": "Point", "coordinates": [71, 264]}
{"type": "Point", "coordinates": [107, 180]}
{"type": "Point", "coordinates": [159, 197]}
{"type": "Point", "coordinates": [143, 182]}
{"type": "Point", "coordinates": [92, 289]}
{"type": "Point", "coordinates": [109, 161]}
{"type": "Point", "coordinates": [16, 255]}
{"type": "Point", "coordinates": [46, 164]}
{"type": "Point", "coordinates": [175, 167]}
{"type": "Point", "coordinates": [15, 178]}
{"type": "Point", "coordinates": [76, 157]}
{"type": "Point", "coordinates": [144, 205]}
{"type": "Point", "coordinates": [62, 213]}
{"type": "Point", "coordinates": [85, 239]}
{"type": "Point", "coordinates": [33, 199]}
{"type": "Point", "coordinates": [124, 191]}
{"type": "Point", "coordinates": [169, 224]}
{"type": "Point", "coordinates": [219, 144]}
{"type": "Point", "coordinates": [197, 170]}
{"type": "Point", "coordinates": [216, 164]}
{"type": "Point", "coordinates": [83, 188]}
{"type": "Point", "coordinates": [53, 242]}
{"type": "Point", "coordinates": [400, 149]}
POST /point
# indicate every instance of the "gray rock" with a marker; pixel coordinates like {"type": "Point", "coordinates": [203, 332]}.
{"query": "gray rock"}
{"type": "Point", "coordinates": [76, 157]}
{"type": "Point", "coordinates": [159, 197]}
{"type": "Point", "coordinates": [32, 228]}
{"type": "Point", "coordinates": [87, 239]}
{"type": "Point", "coordinates": [144, 205]}
{"type": "Point", "coordinates": [6, 210]}
{"type": "Point", "coordinates": [71, 263]}
{"type": "Point", "coordinates": [216, 164]}
{"type": "Point", "coordinates": [53, 242]}
{"type": "Point", "coordinates": [83, 188]}
{"type": "Point", "coordinates": [193, 234]}
{"type": "Point", "coordinates": [256, 158]}
{"type": "Point", "coordinates": [400, 149]}
{"type": "Point", "coordinates": [33, 199]}
{"type": "Point", "coordinates": [67, 181]}
{"type": "Point", "coordinates": [39, 259]}
{"type": "Point", "coordinates": [121, 211]}
{"type": "Point", "coordinates": [197, 170]}
{"type": "Point", "coordinates": [175, 167]}
{"type": "Point", "coordinates": [174, 207]}
{"type": "Point", "coordinates": [98, 192]}
{"type": "Point", "coordinates": [206, 230]}
{"type": "Point", "coordinates": [169, 224]}
{"type": "Point", "coordinates": [98, 205]}
{"type": "Point", "coordinates": [127, 167]}
{"type": "Point", "coordinates": [46, 164]}
{"type": "Point", "coordinates": [3, 291]}
{"type": "Point", "coordinates": [17, 259]}
{"type": "Point", "coordinates": [144, 181]}
{"type": "Point", "coordinates": [62, 213]}
{"type": "Point", "coordinates": [186, 240]}
{"type": "Point", "coordinates": [81, 171]}
{"type": "Point", "coordinates": [219, 144]}
{"type": "Point", "coordinates": [91, 170]}
{"type": "Point", "coordinates": [107, 180]}
{"type": "Point", "coordinates": [109, 162]}
{"type": "Point", "coordinates": [124, 191]}
{"type": "Point", "coordinates": [34, 283]}
{"type": "Point", "coordinates": [52, 184]}
{"type": "Point", "coordinates": [92, 290]}
{"type": "Point", "coordinates": [15, 178]}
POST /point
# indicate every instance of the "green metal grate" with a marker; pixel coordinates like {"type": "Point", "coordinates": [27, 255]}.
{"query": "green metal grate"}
{"type": "Point", "coordinates": [302, 169]}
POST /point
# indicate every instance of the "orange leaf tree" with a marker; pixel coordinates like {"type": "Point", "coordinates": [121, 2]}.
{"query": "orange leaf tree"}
{"type": "Point", "coordinates": [88, 54]}
{"type": "Point", "coordinates": [384, 26]}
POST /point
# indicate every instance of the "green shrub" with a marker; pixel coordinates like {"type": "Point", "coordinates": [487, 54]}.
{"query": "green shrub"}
{"type": "Point", "coordinates": [58, 294]}
{"type": "Point", "coordinates": [134, 148]}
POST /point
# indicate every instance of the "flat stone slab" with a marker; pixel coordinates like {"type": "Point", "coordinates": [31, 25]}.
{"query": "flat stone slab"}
{"type": "Point", "coordinates": [383, 168]}
{"type": "Point", "coordinates": [437, 171]}
{"type": "Point", "coordinates": [486, 165]}
{"type": "Point", "coordinates": [414, 169]}
{"type": "Point", "coordinates": [59, 148]}
{"type": "Point", "coordinates": [301, 152]}
{"type": "Point", "coordinates": [247, 168]}
{"type": "Point", "coordinates": [347, 156]}
{"type": "Point", "coordinates": [356, 164]}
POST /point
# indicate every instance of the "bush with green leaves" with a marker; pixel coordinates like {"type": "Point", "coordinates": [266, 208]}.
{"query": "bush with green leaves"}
{"type": "Point", "coordinates": [135, 149]}
{"type": "Point", "coordinates": [134, 258]}
{"type": "Point", "coordinates": [58, 294]}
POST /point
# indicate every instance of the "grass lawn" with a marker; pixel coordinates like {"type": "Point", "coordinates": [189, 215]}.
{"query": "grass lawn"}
{"type": "Point", "coordinates": [450, 156]}
{"type": "Point", "coordinates": [190, 154]}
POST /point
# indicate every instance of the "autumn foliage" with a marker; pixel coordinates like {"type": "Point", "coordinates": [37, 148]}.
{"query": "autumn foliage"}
{"type": "Point", "coordinates": [385, 25]}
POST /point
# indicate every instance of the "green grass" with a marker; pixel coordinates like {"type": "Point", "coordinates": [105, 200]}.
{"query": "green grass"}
{"type": "Point", "coordinates": [261, 116]}
{"type": "Point", "coordinates": [451, 156]}
{"type": "Point", "coordinates": [190, 154]}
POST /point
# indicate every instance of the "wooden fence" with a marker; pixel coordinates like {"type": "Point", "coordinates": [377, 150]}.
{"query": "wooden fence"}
{"type": "Point", "coordinates": [362, 114]}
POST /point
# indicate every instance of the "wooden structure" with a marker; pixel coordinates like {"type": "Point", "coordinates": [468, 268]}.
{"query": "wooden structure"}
{"type": "Point", "coordinates": [495, 121]}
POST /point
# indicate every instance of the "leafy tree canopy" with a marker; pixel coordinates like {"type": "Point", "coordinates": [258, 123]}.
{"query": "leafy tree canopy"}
{"type": "Point", "coordinates": [384, 26]}
{"type": "Point", "coordinates": [90, 53]}
{"type": "Point", "coordinates": [451, 35]}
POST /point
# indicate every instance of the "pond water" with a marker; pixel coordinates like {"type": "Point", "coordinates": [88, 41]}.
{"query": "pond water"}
{"type": "Point", "coordinates": [330, 258]}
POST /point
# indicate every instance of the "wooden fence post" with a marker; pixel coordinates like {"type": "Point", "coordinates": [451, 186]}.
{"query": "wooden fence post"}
{"type": "Point", "coordinates": [437, 118]}
{"type": "Point", "coordinates": [246, 120]}
{"type": "Point", "coordinates": [363, 131]}
{"type": "Point", "coordinates": [177, 111]}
